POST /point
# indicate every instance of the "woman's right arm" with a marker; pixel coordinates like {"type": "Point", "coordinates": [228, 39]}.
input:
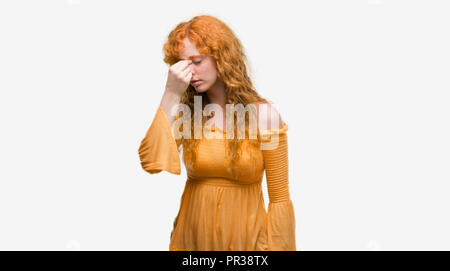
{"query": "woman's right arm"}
{"type": "Point", "coordinates": [178, 79]}
{"type": "Point", "coordinates": [159, 150]}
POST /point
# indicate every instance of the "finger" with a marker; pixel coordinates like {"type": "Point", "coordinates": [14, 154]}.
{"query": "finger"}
{"type": "Point", "coordinates": [187, 73]}
{"type": "Point", "coordinates": [181, 65]}
{"type": "Point", "coordinates": [187, 70]}
{"type": "Point", "coordinates": [188, 77]}
{"type": "Point", "coordinates": [186, 65]}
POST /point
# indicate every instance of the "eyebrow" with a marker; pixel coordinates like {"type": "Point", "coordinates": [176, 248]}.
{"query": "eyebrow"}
{"type": "Point", "coordinates": [191, 57]}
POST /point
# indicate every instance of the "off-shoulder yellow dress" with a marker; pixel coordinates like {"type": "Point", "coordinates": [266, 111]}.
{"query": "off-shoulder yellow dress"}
{"type": "Point", "coordinates": [221, 211]}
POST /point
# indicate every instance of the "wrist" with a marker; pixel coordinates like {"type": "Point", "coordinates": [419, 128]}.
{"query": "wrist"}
{"type": "Point", "coordinates": [171, 96]}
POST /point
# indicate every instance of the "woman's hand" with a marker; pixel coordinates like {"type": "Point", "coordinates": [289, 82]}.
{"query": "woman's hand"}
{"type": "Point", "coordinates": [179, 77]}
{"type": "Point", "coordinates": [178, 80]}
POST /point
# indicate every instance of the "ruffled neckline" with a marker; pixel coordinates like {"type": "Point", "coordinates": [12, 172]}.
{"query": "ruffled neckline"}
{"type": "Point", "coordinates": [283, 129]}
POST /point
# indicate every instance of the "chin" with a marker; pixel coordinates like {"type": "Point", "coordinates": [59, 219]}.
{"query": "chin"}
{"type": "Point", "coordinates": [201, 89]}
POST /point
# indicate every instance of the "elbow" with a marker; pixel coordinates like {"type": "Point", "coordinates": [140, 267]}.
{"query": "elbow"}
{"type": "Point", "coordinates": [143, 153]}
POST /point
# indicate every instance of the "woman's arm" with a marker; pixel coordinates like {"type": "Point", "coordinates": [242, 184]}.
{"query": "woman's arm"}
{"type": "Point", "coordinates": [178, 79]}
{"type": "Point", "coordinates": [169, 101]}
{"type": "Point", "coordinates": [281, 217]}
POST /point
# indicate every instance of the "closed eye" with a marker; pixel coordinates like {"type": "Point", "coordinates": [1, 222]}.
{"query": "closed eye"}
{"type": "Point", "coordinates": [196, 62]}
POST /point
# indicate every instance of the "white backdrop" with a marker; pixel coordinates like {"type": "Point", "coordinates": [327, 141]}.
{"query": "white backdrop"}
{"type": "Point", "coordinates": [363, 86]}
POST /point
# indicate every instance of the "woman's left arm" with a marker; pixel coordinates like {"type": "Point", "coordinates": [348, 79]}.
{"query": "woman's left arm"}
{"type": "Point", "coordinates": [281, 218]}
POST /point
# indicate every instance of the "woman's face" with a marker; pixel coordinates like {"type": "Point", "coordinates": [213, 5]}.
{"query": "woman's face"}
{"type": "Point", "coordinates": [203, 67]}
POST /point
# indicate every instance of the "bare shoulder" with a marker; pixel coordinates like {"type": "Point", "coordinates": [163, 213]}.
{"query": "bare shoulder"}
{"type": "Point", "coordinates": [268, 116]}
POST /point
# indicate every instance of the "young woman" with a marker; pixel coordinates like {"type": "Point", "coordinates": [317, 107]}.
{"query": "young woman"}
{"type": "Point", "coordinates": [222, 206]}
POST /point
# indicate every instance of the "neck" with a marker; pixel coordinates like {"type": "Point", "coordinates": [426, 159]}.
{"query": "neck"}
{"type": "Point", "coordinates": [216, 94]}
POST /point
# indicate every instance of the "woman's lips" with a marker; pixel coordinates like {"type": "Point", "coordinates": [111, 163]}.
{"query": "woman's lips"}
{"type": "Point", "coordinates": [196, 83]}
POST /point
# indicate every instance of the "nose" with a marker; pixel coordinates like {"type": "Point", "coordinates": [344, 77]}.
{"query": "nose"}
{"type": "Point", "coordinates": [192, 66]}
{"type": "Point", "coordinates": [193, 70]}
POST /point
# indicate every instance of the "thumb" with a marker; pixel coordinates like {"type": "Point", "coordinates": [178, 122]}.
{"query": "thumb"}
{"type": "Point", "coordinates": [189, 76]}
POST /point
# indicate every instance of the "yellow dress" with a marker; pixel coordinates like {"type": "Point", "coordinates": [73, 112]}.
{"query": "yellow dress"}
{"type": "Point", "coordinates": [220, 211]}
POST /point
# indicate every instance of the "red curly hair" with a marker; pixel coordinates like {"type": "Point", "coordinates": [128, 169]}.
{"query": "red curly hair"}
{"type": "Point", "coordinates": [213, 37]}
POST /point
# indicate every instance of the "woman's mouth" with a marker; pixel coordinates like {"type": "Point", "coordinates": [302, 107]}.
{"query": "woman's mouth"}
{"type": "Point", "coordinates": [196, 83]}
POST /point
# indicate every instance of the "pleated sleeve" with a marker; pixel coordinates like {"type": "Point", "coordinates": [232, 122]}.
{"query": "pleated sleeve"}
{"type": "Point", "coordinates": [159, 150]}
{"type": "Point", "coordinates": [281, 218]}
